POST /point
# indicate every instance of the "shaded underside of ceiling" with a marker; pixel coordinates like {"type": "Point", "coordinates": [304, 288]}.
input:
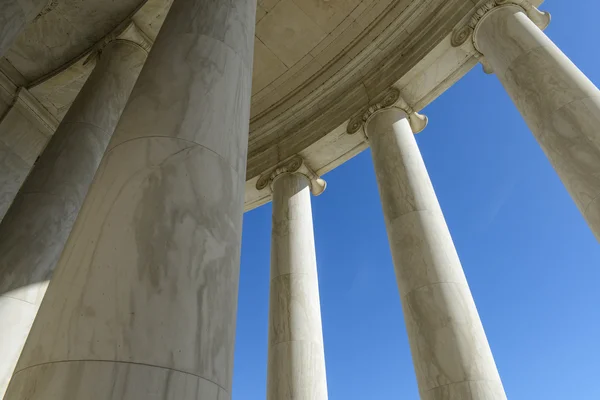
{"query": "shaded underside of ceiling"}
{"type": "Point", "coordinates": [316, 64]}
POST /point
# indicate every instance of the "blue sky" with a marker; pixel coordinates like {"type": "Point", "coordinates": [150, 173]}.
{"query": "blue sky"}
{"type": "Point", "coordinates": [532, 263]}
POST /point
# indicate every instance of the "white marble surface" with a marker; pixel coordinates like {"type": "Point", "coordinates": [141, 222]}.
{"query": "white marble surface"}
{"type": "Point", "coordinates": [559, 103]}
{"type": "Point", "coordinates": [37, 225]}
{"type": "Point", "coordinates": [296, 361]}
{"type": "Point", "coordinates": [450, 351]}
{"type": "Point", "coordinates": [150, 272]}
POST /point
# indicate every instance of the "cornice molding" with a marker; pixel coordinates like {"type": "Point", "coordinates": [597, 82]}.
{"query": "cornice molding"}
{"type": "Point", "coordinates": [466, 31]}
{"type": "Point", "coordinates": [396, 53]}
{"type": "Point", "coordinates": [391, 99]}
{"type": "Point", "coordinates": [7, 85]}
{"type": "Point", "coordinates": [293, 165]}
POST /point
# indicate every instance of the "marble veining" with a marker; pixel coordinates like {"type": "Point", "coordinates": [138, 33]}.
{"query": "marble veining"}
{"type": "Point", "coordinates": [39, 221]}
{"type": "Point", "coordinates": [97, 380]}
{"type": "Point", "coordinates": [150, 272]}
{"type": "Point", "coordinates": [296, 360]}
{"type": "Point", "coordinates": [448, 344]}
{"type": "Point", "coordinates": [211, 72]}
{"type": "Point", "coordinates": [157, 259]}
{"type": "Point", "coordinates": [559, 103]}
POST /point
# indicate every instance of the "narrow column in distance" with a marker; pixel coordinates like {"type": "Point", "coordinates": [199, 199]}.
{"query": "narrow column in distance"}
{"type": "Point", "coordinates": [296, 362]}
{"type": "Point", "coordinates": [450, 351]}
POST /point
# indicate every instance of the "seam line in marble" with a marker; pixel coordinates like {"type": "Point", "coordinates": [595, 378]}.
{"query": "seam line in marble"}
{"type": "Point", "coordinates": [438, 212]}
{"type": "Point", "coordinates": [61, 197]}
{"type": "Point", "coordinates": [289, 273]}
{"type": "Point", "coordinates": [16, 298]}
{"type": "Point", "coordinates": [121, 362]}
{"type": "Point", "coordinates": [466, 380]}
{"type": "Point", "coordinates": [436, 284]}
{"type": "Point", "coordinates": [238, 55]}
{"type": "Point", "coordinates": [516, 60]}
{"type": "Point", "coordinates": [587, 208]}
{"type": "Point", "coordinates": [103, 130]}
{"type": "Point", "coordinates": [176, 138]}
{"type": "Point", "coordinates": [298, 341]}
{"type": "Point", "coordinates": [575, 101]}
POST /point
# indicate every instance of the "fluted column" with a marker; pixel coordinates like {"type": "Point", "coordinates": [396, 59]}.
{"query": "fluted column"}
{"type": "Point", "coordinates": [14, 16]}
{"type": "Point", "coordinates": [296, 362]}
{"type": "Point", "coordinates": [143, 301]}
{"type": "Point", "coordinates": [451, 355]}
{"type": "Point", "coordinates": [559, 103]}
{"type": "Point", "coordinates": [37, 225]}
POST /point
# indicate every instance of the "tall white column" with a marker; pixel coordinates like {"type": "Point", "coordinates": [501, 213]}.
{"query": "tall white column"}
{"type": "Point", "coordinates": [296, 362]}
{"type": "Point", "coordinates": [559, 103]}
{"type": "Point", "coordinates": [143, 301]}
{"type": "Point", "coordinates": [451, 355]}
{"type": "Point", "coordinates": [14, 16]}
{"type": "Point", "coordinates": [37, 225]}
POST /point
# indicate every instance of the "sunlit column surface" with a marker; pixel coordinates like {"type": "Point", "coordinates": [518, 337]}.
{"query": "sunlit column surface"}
{"type": "Point", "coordinates": [143, 301]}
{"type": "Point", "coordinates": [450, 351]}
{"type": "Point", "coordinates": [37, 225]}
{"type": "Point", "coordinates": [296, 362]}
{"type": "Point", "coordinates": [558, 102]}
{"type": "Point", "coordinates": [14, 16]}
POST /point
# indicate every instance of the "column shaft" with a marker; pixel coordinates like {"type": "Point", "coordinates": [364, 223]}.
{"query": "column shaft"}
{"type": "Point", "coordinates": [450, 351]}
{"type": "Point", "coordinates": [296, 363]}
{"type": "Point", "coordinates": [14, 16]}
{"type": "Point", "coordinates": [559, 103]}
{"type": "Point", "coordinates": [143, 301]}
{"type": "Point", "coordinates": [37, 225]}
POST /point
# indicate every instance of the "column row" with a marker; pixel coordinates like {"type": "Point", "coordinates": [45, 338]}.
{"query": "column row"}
{"type": "Point", "coordinates": [143, 301]}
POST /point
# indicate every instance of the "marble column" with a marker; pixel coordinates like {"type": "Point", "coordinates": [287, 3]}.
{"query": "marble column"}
{"type": "Point", "coordinates": [559, 103]}
{"type": "Point", "coordinates": [451, 355]}
{"type": "Point", "coordinates": [296, 362]}
{"type": "Point", "coordinates": [14, 16]}
{"type": "Point", "coordinates": [37, 225]}
{"type": "Point", "coordinates": [144, 298]}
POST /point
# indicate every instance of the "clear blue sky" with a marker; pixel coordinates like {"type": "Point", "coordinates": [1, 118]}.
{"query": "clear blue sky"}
{"type": "Point", "coordinates": [532, 263]}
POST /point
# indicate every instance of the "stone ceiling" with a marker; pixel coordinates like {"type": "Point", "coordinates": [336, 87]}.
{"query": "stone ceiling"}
{"type": "Point", "coordinates": [317, 63]}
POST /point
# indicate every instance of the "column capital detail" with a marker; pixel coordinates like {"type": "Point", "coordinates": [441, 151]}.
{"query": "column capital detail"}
{"type": "Point", "coordinates": [127, 31]}
{"type": "Point", "coordinates": [467, 31]}
{"type": "Point", "coordinates": [293, 165]}
{"type": "Point", "coordinates": [390, 99]}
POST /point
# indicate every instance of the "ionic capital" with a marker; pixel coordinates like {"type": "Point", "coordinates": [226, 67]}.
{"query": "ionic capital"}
{"type": "Point", "coordinates": [467, 31]}
{"type": "Point", "coordinates": [293, 165]}
{"type": "Point", "coordinates": [391, 99]}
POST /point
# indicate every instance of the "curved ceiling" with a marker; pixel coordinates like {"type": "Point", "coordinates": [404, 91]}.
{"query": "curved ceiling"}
{"type": "Point", "coordinates": [317, 63]}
